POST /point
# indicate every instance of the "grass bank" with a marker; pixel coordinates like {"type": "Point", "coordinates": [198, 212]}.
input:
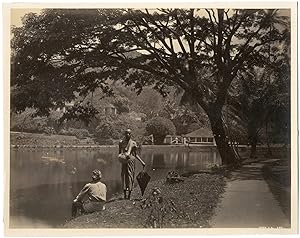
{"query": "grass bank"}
{"type": "Point", "coordinates": [35, 139]}
{"type": "Point", "coordinates": [278, 176]}
{"type": "Point", "coordinates": [187, 204]}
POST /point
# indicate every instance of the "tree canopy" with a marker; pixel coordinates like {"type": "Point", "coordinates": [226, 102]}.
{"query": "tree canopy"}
{"type": "Point", "coordinates": [66, 51]}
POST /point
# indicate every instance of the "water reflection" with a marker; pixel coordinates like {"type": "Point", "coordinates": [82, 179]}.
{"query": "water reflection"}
{"type": "Point", "coordinates": [44, 182]}
{"type": "Point", "coordinates": [158, 161]}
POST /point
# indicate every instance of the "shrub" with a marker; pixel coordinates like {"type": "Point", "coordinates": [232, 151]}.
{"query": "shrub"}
{"type": "Point", "coordinates": [121, 104]}
{"type": "Point", "coordinates": [49, 130]}
{"type": "Point", "coordinates": [79, 133]}
{"type": "Point", "coordinates": [101, 141]}
{"type": "Point", "coordinates": [63, 132]}
{"type": "Point", "coordinates": [114, 127]}
{"type": "Point", "coordinates": [159, 127]}
{"type": "Point", "coordinates": [216, 169]}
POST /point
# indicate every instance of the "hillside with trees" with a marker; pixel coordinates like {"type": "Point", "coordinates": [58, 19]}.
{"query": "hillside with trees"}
{"type": "Point", "coordinates": [62, 55]}
{"type": "Point", "coordinates": [131, 111]}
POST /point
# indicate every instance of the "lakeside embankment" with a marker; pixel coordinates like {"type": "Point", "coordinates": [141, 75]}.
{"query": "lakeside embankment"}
{"type": "Point", "coordinates": [129, 209]}
{"type": "Point", "coordinates": [187, 204]}
{"type": "Point", "coordinates": [35, 140]}
{"type": "Point", "coordinates": [277, 174]}
{"type": "Point", "coordinates": [195, 200]}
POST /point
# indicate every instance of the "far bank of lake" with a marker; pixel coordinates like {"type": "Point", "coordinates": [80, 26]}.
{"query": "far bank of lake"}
{"type": "Point", "coordinates": [45, 179]}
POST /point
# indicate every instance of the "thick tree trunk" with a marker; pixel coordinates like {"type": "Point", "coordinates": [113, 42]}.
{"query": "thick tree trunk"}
{"type": "Point", "coordinates": [226, 152]}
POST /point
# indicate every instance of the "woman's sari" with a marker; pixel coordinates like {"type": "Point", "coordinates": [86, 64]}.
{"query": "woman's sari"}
{"type": "Point", "coordinates": [128, 169]}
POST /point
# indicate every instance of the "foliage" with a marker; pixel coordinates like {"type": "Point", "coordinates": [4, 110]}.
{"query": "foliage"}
{"type": "Point", "coordinates": [185, 118]}
{"type": "Point", "coordinates": [19, 121]}
{"type": "Point", "coordinates": [217, 169]}
{"type": "Point", "coordinates": [103, 141]}
{"type": "Point", "coordinates": [106, 129]}
{"type": "Point", "coordinates": [280, 113]}
{"type": "Point", "coordinates": [263, 97]}
{"type": "Point", "coordinates": [122, 104]}
{"type": "Point", "coordinates": [159, 209]}
{"type": "Point", "coordinates": [27, 122]}
{"type": "Point", "coordinates": [63, 52]}
{"type": "Point", "coordinates": [54, 120]}
{"type": "Point", "coordinates": [185, 197]}
{"type": "Point", "coordinates": [79, 133]}
{"type": "Point", "coordinates": [92, 33]}
{"type": "Point", "coordinates": [160, 127]}
{"type": "Point", "coordinates": [113, 127]}
{"type": "Point", "coordinates": [48, 130]}
{"type": "Point", "coordinates": [149, 102]}
{"type": "Point", "coordinates": [80, 111]}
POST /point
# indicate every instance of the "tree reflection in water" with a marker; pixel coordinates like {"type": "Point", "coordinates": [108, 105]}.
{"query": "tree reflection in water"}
{"type": "Point", "coordinates": [54, 183]}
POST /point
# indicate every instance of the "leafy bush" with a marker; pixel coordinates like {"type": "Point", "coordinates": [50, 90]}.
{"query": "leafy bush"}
{"type": "Point", "coordinates": [79, 133]}
{"type": "Point", "coordinates": [27, 122]}
{"type": "Point", "coordinates": [122, 104]}
{"type": "Point", "coordinates": [48, 130]}
{"type": "Point", "coordinates": [104, 141]}
{"type": "Point", "coordinates": [63, 132]}
{"type": "Point", "coordinates": [159, 127]}
{"type": "Point", "coordinates": [107, 130]}
{"type": "Point", "coordinates": [113, 127]}
{"type": "Point", "coordinates": [216, 169]}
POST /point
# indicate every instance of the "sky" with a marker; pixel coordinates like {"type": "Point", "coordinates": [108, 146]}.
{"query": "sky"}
{"type": "Point", "coordinates": [18, 13]}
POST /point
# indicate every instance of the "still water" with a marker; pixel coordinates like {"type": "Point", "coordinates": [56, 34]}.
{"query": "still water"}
{"type": "Point", "coordinates": [43, 182]}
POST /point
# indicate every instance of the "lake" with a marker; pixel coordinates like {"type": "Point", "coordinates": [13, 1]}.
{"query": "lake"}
{"type": "Point", "coordinates": [43, 182]}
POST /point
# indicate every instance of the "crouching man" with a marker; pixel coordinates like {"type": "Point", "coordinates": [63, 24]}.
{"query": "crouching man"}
{"type": "Point", "coordinates": [92, 197]}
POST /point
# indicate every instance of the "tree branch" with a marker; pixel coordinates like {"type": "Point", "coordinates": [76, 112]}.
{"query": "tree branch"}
{"type": "Point", "coordinates": [146, 24]}
{"type": "Point", "coordinates": [213, 27]}
{"type": "Point", "coordinates": [169, 29]}
{"type": "Point", "coordinates": [243, 48]}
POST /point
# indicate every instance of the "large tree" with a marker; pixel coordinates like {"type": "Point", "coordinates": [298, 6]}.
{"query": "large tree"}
{"type": "Point", "coordinates": [254, 103]}
{"type": "Point", "coordinates": [60, 52]}
{"type": "Point", "coordinates": [262, 98]}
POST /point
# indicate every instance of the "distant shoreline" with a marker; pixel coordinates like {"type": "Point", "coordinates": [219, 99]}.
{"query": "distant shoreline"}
{"type": "Point", "coordinates": [34, 140]}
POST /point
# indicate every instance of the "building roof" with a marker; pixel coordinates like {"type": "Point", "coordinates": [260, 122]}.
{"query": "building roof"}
{"type": "Point", "coordinates": [202, 132]}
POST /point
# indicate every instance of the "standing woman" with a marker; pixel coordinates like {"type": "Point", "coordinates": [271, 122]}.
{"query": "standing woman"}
{"type": "Point", "coordinates": [127, 156]}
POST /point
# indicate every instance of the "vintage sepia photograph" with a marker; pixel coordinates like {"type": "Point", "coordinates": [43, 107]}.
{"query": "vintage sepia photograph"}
{"type": "Point", "coordinates": [151, 118]}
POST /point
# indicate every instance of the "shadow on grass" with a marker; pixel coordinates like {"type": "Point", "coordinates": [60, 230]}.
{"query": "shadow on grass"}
{"type": "Point", "coordinates": [246, 173]}
{"type": "Point", "coordinates": [278, 178]}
